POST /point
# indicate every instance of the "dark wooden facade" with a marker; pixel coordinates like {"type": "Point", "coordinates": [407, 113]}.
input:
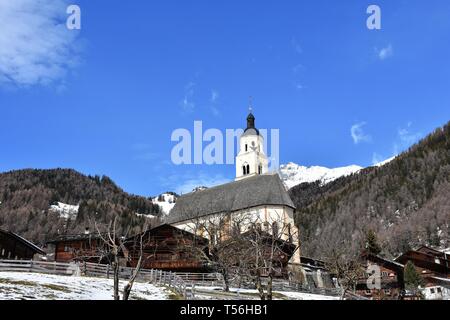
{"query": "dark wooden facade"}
{"type": "Point", "coordinates": [391, 279]}
{"type": "Point", "coordinates": [14, 247]}
{"type": "Point", "coordinates": [81, 247]}
{"type": "Point", "coordinates": [167, 248]}
{"type": "Point", "coordinates": [428, 262]}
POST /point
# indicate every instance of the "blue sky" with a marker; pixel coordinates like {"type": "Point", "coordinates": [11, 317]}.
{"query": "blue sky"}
{"type": "Point", "coordinates": [105, 99]}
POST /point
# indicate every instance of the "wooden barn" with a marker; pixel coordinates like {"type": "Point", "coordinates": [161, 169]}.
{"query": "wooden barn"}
{"type": "Point", "coordinates": [14, 247]}
{"type": "Point", "coordinates": [392, 283]}
{"type": "Point", "coordinates": [428, 262]}
{"type": "Point", "coordinates": [166, 248]}
{"type": "Point", "coordinates": [78, 247]}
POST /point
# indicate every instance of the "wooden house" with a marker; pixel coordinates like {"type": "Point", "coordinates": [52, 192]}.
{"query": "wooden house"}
{"type": "Point", "coordinates": [14, 247]}
{"type": "Point", "coordinates": [428, 262]}
{"type": "Point", "coordinates": [79, 247]}
{"type": "Point", "coordinates": [434, 268]}
{"type": "Point", "coordinates": [391, 279]}
{"type": "Point", "coordinates": [167, 248]}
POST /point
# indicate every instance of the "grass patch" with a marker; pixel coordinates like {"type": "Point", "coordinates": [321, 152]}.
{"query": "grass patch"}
{"type": "Point", "coordinates": [56, 287]}
{"type": "Point", "coordinates": [18, 282]}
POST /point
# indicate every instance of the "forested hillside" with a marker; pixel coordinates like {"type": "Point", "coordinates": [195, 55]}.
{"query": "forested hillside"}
{"type": "Point", "coordinates": [406, 202]}
{"type": "Point", "coordinates": [27, 195]}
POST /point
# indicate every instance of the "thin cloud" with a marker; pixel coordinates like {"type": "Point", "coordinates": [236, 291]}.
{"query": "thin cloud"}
{"type": "Point", "coordinates": [187, 104]}
{"type": "Point", "coordinates": [296, 45]}
{"type": "Point", "coordinates": [357, 133]}
{"type": "Point", "coordinates": [385, 53]}
{"type": "Point", "coordinates": [187, 182]}
{"type": "Point", "coordinates": [213, 100]}
{"type": "Point", "coordinates": [406, 137]}
{"type": "Point", "coordinates": [36, 48]}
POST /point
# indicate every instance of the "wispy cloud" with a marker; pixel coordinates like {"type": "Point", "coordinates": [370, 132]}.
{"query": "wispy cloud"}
{"type": "Point", "coordinates": [187, 104]}
{"type": "Point", "coordinates": [213, 100]}
{"type": "Point", "coordinates": [377, 158]}
{"type": "Point", "coordinates": [186, 182]}
{"type": "Point", "coordinates": [357, 133]}
{"type": "Point", "coordinates": [36, 48]}
{"type": "Point", "coordinates": [385, 53]}
{"type": "Point", "coordinates": [296, 45]}
{"type": "Point", "coordinates": [406, 137]}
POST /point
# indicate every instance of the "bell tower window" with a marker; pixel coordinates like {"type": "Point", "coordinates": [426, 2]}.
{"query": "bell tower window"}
{"type": "Point", "coordinates": [246, 148]}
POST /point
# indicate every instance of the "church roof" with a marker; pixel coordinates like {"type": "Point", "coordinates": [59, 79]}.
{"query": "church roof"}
{"type": "Point", "coordinates": [267, 189]}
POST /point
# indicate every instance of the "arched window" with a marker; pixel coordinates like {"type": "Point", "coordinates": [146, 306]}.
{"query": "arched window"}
{"type": "Point", "coordinates": [243, 170]}
{"type": "Point", "coordinates": [248, 169]}
{"type": "Point", "coordinates": [246, 148]}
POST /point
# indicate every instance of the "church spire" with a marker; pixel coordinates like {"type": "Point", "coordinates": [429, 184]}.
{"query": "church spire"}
{"type": "Point", "coordinates": [251, 117]}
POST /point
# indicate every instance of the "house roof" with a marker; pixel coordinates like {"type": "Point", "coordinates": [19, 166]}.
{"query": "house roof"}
{"type": "Point", "coordinates": [259, 190]}
{"type": "Point", "coordinates": [27, 243]}
{"type": "Point", "coordinates": [75, 237]}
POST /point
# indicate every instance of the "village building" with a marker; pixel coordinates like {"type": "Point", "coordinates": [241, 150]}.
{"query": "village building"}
{"type": "Point", "coordinates": [167, 248]}
{"type": "Point", "coordinates": [434, 268]}
{"type": "Point", "coordinates": [14, 247]}
{"type": "Point", "coordinates": [391, 279]}
{"type": "Point", "coordinates": [316, 273]}
{"type": "Point", "coordinates": [77, 247]}
{"type": "Point", "coordinates": [256, 197]}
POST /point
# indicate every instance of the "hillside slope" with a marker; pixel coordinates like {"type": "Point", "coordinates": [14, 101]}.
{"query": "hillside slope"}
{"type": "Point", "coordinates": [406, 202]}
{"type": "Point", "coordinates": [38, 204]}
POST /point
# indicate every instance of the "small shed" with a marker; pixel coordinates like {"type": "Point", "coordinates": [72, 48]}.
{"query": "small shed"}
{"type": "Point", "coordinates": [15, 247]}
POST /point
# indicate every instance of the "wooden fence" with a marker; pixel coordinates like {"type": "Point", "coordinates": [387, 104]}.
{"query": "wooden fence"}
{"type": "Point", "coordinates": [158, 277]}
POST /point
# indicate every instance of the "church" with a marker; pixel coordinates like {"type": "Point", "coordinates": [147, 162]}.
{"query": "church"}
{"type": "Point", "coordinates": [256, 194]}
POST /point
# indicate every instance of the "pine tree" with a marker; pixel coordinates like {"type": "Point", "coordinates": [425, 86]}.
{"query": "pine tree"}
{"type": "Point", "coordinates": [412, 278]}
{"type": "Point", "coordinates": [372, 245]}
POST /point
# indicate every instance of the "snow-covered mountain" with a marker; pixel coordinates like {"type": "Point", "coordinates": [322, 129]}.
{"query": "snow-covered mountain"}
{"type": "Point", "coordinates": [293, 174]}
{"type": "Point", "coordinates": [166, 201]}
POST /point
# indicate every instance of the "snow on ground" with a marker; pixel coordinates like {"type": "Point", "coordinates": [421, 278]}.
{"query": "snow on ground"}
{"type": "Point", "coordinates": [208, 293]}
{"type": "Point", "coordinates": [166, 201]}
{"type": "Point", "coordinates": [293, 174]}
{"type": "Point", "coordinates": [38, 286]}
{"type": "Point", "coordinates": [65, 210]}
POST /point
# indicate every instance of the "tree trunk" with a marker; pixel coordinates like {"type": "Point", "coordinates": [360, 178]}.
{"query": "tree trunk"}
{"type": "Point", "coordinates": [127, 291]}
{"type": "Point", "coordinates": [226, 281]}
{"type": "Point", "coordinates": [259, 287]}
{"type": "Point", "coordinates": [269, 287]}
{"type": "Point", "coordinates": [116, 279]}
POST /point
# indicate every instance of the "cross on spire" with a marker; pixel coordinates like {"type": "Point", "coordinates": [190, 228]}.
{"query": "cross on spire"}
{"type": "Point", "coordinates": [250, 104]}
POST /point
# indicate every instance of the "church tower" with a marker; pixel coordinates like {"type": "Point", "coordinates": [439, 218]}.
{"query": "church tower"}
{"type": "Point", "coordinates": [251, 159]}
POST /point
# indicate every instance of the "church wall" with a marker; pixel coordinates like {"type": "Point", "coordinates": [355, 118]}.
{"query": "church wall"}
{"type": "Point", "coordinates": [264, 216]}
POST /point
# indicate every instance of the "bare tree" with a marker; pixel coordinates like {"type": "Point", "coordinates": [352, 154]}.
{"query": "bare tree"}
{"type": "Point", "coordinates": [219, 252]}
{"type": "Point", "coordinates": [113, 247]}
{"type": "Point", "coordinates": [267, 253]}
{"type": "Point", "coordinates": [345, 264]}
{"type": "Point", "coordinates": [244, 246]}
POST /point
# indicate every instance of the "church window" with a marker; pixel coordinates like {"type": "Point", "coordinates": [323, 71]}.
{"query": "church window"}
{"type": "Point", "coordinates": [246, 148]}
{"type": "Point", "coordinates": [244, 171]}
{"type": "Point", "coordinates": [259, 169]}
{"type": "Point", "coordinates": [248, 169]}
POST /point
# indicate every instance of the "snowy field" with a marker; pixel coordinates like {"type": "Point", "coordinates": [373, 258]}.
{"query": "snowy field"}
{"type": "Point", "coordinates": [37, 286]}
{"type": "Point", "coordinates": [212, 293]}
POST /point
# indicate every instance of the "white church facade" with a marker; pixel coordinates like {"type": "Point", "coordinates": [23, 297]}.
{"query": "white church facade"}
{"type": "Point", "coordinates": [256, 197]}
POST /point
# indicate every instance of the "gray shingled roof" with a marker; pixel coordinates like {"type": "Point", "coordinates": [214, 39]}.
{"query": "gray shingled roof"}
{"type": "Point", "coordinates": [250, 192]}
